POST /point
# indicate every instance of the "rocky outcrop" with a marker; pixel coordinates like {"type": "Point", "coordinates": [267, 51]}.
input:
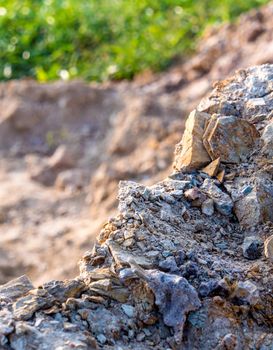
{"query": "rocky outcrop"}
{"type": "Point", "coordinates": [124, 130]}
{"type": "Point", "coordinates": [169, 271]}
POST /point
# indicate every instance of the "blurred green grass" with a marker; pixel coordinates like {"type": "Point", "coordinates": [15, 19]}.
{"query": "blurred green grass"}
{"type": "Point", "coordinates": [103, 39]}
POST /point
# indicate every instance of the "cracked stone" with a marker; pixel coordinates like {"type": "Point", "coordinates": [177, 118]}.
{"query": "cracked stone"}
{"type": "Point", "coordinates": [230, 138]}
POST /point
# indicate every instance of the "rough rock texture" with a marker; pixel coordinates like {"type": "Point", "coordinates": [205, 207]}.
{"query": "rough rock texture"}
{"type": "Point", "coordinates": [124, 130]}
{"type": "Point", "coordinates": [191, 153]}
{"type": "Point", "coordinates": [212, 168]}
{"type": "Point", "coordinates": [163, 274]}
{"type": "Point", "coordinates": [229, 138]}
{"type": "Point", "coordinates": [223, 50]}
{"type": "Point", "coordinates": [257, 206]}
{"type": "Point", "coordinates": [268, 248]}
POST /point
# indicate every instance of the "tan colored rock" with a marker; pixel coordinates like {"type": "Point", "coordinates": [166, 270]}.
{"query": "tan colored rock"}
{"type": "Point", "coordinates": [223, 202]}
{"type": "Point", "coordinates": [100, 274]}
{"type": "Point", "coordinates": [208, 130]}
{"type": "Point", "coordinates": [45, 171]}
{"type": "Point", "coordinates": [230, 138]}
{"type": "Point", "coordinates": [104, 284]}
{"type": "Point", "coordinates": [268, 248]}
{"type": "Point", "coordinates": [190, 153]}
{"type": "Point", "coordinates": [221, 175]}
{"type": "Point", "coordinates": [212, 168]}
{"type": "Point", "coordinates": [119, 293]}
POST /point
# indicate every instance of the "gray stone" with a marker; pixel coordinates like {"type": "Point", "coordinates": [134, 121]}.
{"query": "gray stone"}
{"type": "Point", "coordinates": [48, 334]}
{"type": "Point", "coordinates": [208, 207]}
{"type": "Point", "coordinates": [252, 248]}
{"type": "Point", "coordinates": [222, 201]}
{"type": "Point", "coordinates": [103, 321]}
{"type": "Point", "coordinates": [257, 206]}
{"type": "Point", "coordinates": [37, 299]}
{"type": "Point", "coordinates": [128, 310]}
{"type": "Point", "coordinates": [101, 338]}
{"type": "Point", "coordinates": [229, 342]}
{"type": "Point", "coordinates": [207, 288]}
{"type": "Point", "coordinates": [174, 296]}
{"type": "Point", "coordinates": [140, 337]}
{"type": "Point", "coordinates": [6, 322]}
{"type": "Point", "coordinates": [16, 288]}
{"type": "Point", "coordinates": [169, 264]}
{"type": "Point", "coordinates": [247, 292]}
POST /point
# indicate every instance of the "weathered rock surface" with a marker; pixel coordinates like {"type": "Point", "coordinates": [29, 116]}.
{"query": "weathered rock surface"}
{"type": "Point", "coordinates": [268, 248]}
{"type": "Point", "coordinates": [16, 288]}
{"type": "Point", "coordinates": [168, 272]}
{"type": "Point", "coordinates": [230, 138]}
{"type": "Point", "coordinates": [257, 206]}
{"type": "Point", "coordinates": [174, 296]}
{"type": "Point", "coordinates": [252, 248]}
{"type": "Point", "coordinates": [212, 168]}
{"type": "Point", "coordinates": [190, 153]}
{"type": "Point", "coordinates": [223, 202]}
{"type": "Point", "coordinates": [267, 138]}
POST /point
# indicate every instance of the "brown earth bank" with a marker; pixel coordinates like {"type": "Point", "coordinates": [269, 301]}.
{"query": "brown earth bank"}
{"type": "Point", "coordinates": [65, 146]}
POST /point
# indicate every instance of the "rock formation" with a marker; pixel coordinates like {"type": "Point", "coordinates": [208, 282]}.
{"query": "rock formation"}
{"type": "Point", "coordinates": [124, 130]}
{"type": "Point", "coordinates": [169, 271]}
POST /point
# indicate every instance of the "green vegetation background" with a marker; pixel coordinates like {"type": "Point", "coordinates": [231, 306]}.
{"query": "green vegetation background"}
{"type": "Point", "coordinates": [102, 39]}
